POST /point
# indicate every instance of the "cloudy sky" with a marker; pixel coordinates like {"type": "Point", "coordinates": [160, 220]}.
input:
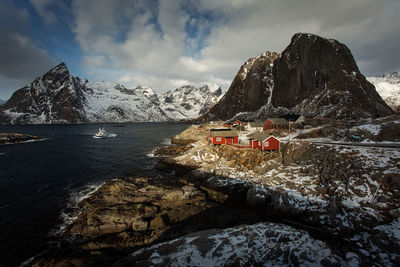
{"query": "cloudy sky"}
{"type": "Point", "coordinates": [168, 43]}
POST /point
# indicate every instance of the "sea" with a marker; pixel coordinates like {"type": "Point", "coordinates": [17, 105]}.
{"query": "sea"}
{"type": "Point", "coordinates": [41, 182]}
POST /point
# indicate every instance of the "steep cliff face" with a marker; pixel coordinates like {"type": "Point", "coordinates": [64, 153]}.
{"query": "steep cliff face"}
{"type": "Point", "coordinates": [250, 89]}
{"type": "Point", "coordinates": [54, 97]}
{"type": "Point", "coordinates": [314, 76]}
{"type": "Point", "coordinates": [319, 77]}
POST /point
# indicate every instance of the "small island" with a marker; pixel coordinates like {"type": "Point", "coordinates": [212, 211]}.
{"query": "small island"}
{"type": "Point", "coordinates": [16, 138]}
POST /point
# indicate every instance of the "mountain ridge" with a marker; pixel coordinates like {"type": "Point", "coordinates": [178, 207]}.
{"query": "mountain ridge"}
{"type": "Point", "coordinates": [314, 76]}
{"type": "Point", "coordinates": [58, 97]}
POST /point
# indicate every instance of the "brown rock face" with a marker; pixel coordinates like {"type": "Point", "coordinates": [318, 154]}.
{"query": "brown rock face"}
{"type": "Point", "coordinates": [133, 212]}
{"type": "Point", "coordinates": [319, 77]}
{"type": "Point", "coordinates": [249, 90]}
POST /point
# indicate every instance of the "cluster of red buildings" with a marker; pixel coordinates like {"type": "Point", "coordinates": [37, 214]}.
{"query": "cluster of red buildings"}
{"type": "Point", "coordinates": [261, 140]}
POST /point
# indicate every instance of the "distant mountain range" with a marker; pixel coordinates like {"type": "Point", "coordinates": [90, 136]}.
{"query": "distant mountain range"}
{"type": "Point", "coordinates": [388, 86]}
{"type": "Point", "coordinates": [314, 76]}
{"type": "Point", "coordinates": [2, 102]}
{"type": "Point", "coordinates": [58, 97]}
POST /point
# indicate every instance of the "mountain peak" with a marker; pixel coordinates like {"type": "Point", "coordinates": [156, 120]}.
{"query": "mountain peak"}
{"type": "Point", "coordinates": [62, 67]}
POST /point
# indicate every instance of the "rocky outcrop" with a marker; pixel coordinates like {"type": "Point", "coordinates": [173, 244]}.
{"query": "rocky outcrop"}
{"type": "Point", "coordinates": [15, 138]}
{"type": "Point", "coordinates": [138, 211]}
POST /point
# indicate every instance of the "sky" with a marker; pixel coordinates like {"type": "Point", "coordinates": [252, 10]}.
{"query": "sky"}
{"type": "Point", "coordinates": [165, 44]}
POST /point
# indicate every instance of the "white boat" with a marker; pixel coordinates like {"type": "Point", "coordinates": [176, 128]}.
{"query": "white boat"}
{"type": "Point", "coordinates": [100, 133]}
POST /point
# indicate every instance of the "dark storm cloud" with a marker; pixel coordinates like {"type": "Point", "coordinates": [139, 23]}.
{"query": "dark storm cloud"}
{"type": "Point", "coordinates": [20, 59]}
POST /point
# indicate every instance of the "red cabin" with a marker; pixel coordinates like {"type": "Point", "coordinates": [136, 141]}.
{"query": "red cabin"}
{"type": "Point", "coordinates": [223, 137]}
{"type": "Point", "coordinates": [271, 143]}
{"type": "Point", "coordinates": [276, 123]}
{"type": "Point", "coordinates": [264, 141]}
{"type": "Point", "coordinates": [253, 143]}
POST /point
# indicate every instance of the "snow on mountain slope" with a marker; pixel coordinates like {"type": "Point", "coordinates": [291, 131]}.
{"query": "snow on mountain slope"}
{"type": "Point", "coordinates": [189, 102]}
{"type": "Point", "coordinates": [58, 97]}
{"type": "Point", "coordinates": [112, 102]}
{"type": "Point", "coordinates": [388, 86]}
{"type": "Point", "coordinates": [2, 102]}
{"type": "Point", "coordinates": [55, 97]}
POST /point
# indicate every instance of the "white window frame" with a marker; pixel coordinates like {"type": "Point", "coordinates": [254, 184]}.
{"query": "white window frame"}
{"type": "Point", "coordinates": [218, 139]}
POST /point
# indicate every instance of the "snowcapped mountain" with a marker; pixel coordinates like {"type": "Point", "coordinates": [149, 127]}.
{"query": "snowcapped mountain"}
{"type": "Point", "coordinates": [55, 97]}
{"type": "Point", "coordinates": [112, 102]}
{"type": "Point", "coordinates": [189, 102]}
{"type": "Point", "coordinates": [2, 102]}
{"type": "Point", "coordinates": [388, 86]}
{"type": "Point", "coordinates": [58, 97]}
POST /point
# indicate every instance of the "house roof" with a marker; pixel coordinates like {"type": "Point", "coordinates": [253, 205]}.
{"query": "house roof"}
{"type": "Point", "coordinates": [224, 133]}
{"type": "Point", "coordinates": [261, 136]}
{"type": "Point", "coordinates": [256, 124]}
{"type": "Point", "coordinates": [220, 129]}
{"type": "Point", "coordinates": [278, 120]}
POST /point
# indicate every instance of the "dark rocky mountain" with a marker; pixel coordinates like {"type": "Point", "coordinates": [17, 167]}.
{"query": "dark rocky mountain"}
{"type": "Point", "coordinates": [314, 76]}
{"type": "Point", "coordinates": [54, 97]}
{"type": "Point", "coordinates": [319, 77]}
{"type": "Point", "coordinates": [250, 89]}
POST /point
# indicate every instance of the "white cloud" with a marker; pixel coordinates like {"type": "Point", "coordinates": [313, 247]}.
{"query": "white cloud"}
{"type": "Point", "coordinates": [173, 42]}
{"type": "Point", "coordinates": [42, 7]}
{"type": "Point", "coordinates": [20, 59]}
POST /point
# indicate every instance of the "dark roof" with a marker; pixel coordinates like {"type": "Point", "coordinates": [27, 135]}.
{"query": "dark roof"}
{"type": "Point", "coordinates": [220, 129]}
{"type": "Point", "coordinates": [261, 136]}
{"type": "Point", "coordinates": [278, 121]}
{"type": "Point", "coordinates": [224, 133]}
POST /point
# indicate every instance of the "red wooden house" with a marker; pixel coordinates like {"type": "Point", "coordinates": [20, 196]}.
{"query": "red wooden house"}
{"type": "Point", "coordinates": [264, 141]}
{"type": "Point", "coordinates": [223, 137]}
{"type": "Point", "coordinates": [275, 123]}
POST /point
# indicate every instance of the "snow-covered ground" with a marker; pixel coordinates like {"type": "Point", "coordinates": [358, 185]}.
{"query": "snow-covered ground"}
{"type": "Point", "coordinates": [262, 244]}
{"type": "Point", "coordinates": [344, 189]}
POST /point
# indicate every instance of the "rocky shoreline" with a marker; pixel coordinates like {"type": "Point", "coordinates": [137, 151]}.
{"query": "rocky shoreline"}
{"type": "Point", "coordinates": [16, 138]}
{"type": "Point", "coordinates": [146, 216]}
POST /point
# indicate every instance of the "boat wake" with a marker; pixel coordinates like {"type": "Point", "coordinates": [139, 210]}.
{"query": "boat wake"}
{"type": "Point", "coordinates": [111, 135]}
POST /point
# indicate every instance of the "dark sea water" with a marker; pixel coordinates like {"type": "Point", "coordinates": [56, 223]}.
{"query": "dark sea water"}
{"type": "Point", "coordinates": [39, 180]}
